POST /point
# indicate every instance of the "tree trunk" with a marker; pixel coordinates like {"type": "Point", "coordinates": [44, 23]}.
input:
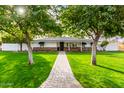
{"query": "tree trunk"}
{"type": "Point", "coordinates": [30, 57]}
{"type": "Point", "coordinates": [21, 46]}
{"type": "Point", "coordinates": [104, 48]}
{"type": "Point", "coordinates": [93, 55]}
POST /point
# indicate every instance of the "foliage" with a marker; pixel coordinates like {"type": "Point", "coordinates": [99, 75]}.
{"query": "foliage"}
{"type": "Point", "coordinates": [35, 20]}
{"type": "Point", "coordinates": [104, 44]}
{"type": "Point", "coordinates": [91, 20]}
{"type": "Point", "coordinates": [0, 39]}
{"type": "Point", "coordinates": [9, 38]}
{"type": "Point", "coordinates": [0, 42]}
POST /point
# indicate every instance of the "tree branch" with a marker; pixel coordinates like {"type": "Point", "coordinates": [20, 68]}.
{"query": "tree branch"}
{"type": "Point", "coordinates": [89, 35]}
{"type": "Point", "coordinates": [93, 29]}
{"type": "Point", "coordinates": [6, 30]}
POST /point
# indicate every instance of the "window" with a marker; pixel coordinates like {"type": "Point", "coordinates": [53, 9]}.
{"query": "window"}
{"type": "Point", "coordinates": [83, 44]}
{"type": "Point", "coordinates": [41, 44]}
{"type": "Point", "coordinates": [74, 45]}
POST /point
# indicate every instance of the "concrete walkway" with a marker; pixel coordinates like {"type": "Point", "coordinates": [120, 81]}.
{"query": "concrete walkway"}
{"type": "Point", "coordinates": [61, 75]}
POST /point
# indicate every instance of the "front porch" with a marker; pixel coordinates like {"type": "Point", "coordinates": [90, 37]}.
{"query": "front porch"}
{"type": "Point", "coordinates": [66, 46]}
{"type": "Point", "coordinates": [72, 46]}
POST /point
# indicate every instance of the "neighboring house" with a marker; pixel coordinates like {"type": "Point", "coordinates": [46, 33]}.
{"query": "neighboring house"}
{"type": "Point", "coordinates": [115, 44]}
{"type": "Point", "coordinates": [53, 44]}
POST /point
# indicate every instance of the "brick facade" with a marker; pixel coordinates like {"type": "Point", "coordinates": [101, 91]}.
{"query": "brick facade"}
{"type": "Point", "coordinates": [45, 49]}
{"type": "Point", "coordinates": [55, 49]}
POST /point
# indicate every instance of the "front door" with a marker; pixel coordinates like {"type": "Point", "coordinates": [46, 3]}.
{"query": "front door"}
{"type": "Point", "coordinates": [61, 46]}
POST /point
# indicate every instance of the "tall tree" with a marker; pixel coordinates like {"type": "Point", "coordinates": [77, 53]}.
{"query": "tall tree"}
{"type": "Point", "coordinates": [31, 21]}
{"type": "Point", "coordinates": [91, 21]}
{"type": "Point", "coordinates": [0, 40]}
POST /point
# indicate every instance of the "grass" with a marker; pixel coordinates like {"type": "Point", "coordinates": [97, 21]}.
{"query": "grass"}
{"type": "Point", "coordinates": [109, 72]}
{"type": "Point", "coordinates": [17, 73]}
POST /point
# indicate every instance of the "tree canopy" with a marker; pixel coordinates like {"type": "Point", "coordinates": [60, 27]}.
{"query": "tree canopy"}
{"type": "Point", "coordinates": [93, 22]}
{"type": "Point", "coordinates": [28, 21]}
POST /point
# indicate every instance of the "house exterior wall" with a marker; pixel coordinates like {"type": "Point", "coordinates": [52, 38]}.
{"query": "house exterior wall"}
{"type": "Point", "coordinates": [88, 45]}
{"type": "Point", "coordinates": [24, 46]}
{"type": "Point", "coordinates": [48, 46]}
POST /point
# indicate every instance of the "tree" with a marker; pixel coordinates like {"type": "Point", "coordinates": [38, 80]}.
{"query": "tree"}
{"type": "Point", "coordinates": [104, 44]}
{"type": "Point", "coordinates": [30, 20]}
{"type": "Point", "coordinates": [0, 40]}
{"type": "Point", "coordinates": [91, 21]}
{"type": "Point", "coordinates": [121, 16]}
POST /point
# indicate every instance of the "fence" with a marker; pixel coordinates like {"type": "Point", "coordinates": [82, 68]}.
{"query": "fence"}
{"type": "Point", "coordinates": [16, 46]}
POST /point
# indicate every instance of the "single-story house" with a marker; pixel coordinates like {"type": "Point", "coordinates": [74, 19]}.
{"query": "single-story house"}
{"type": "Point", "coordinates": [65, 44]}
{"type": "Point", "coordinates": [52, 44]}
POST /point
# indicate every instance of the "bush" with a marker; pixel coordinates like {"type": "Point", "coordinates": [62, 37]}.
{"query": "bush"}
{"type": "Point", "coordinates": [104, 44]}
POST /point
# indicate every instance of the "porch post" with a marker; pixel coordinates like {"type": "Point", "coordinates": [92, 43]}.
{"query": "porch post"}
{"type": "Point", "coordinates": [68, 46]}
{"type": "Point", "coordinates": [57, 46]}
{"type": "Point", "coordinates": [81, 47]}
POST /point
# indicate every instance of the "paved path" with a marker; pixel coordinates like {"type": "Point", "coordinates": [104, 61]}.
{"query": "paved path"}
{"type": "Point", "coordinates": [61, 75]}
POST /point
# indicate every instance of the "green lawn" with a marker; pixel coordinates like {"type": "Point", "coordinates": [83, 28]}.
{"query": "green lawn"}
{"type": "Point", "coordinates": [15, 71]}
{"type": "Point", "coordinates": [109, 72]}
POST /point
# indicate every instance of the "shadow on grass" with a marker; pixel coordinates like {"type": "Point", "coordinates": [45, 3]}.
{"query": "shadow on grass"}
{"type": "Point", "coordinates": [111, 69]}
{"type": "Point", "coordinates": [78, 53]}
{"type": "Point", "coordinates": [89, 81]}
{"type": "Point", "coordinates": [115, 56]}
{"type": "Point", "coordinates": [88, 53]}
{"type": "Point", "coordinates": [110, 84]}
{"type": "Point", "coordinates": [111, 53]}
{"type": "Point", "coordinates": [17, 73]}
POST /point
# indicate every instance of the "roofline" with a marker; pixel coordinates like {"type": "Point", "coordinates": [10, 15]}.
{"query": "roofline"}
{"type": "Point", "coordinates": [80, 40]}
